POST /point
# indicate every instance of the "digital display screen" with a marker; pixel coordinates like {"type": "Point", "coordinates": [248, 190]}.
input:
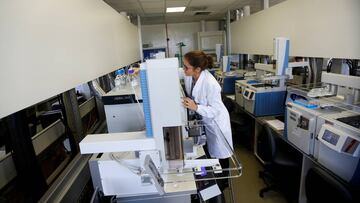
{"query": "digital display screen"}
{"type": "Point", "coordinates": [304, 123]}
{"type": "Point", "coordinates": [246, 93]}
{"type": "Point", "coordinates": [330, 137]}
{"type": "Point", "coordinates": [251, 95]}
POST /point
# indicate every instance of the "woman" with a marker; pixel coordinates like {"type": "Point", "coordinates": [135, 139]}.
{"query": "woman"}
{"type": "Point", "coordinates": [204, 98]}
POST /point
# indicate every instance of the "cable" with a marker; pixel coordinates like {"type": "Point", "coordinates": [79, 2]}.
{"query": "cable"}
{"type": "Point", "coordinates": [134, 169]}
{"type": "Point", "coordinates": [328, 66]}
{"type": "Point", "coordinates": [352, 66]}
{"type": "Point", "coordinates": [140, 113]}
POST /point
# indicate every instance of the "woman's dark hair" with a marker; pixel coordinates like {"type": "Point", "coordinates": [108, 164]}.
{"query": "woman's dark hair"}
{"type": "Point", "coordinates": [199, 59]}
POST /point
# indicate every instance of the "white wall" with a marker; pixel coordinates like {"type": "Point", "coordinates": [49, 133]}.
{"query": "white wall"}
{"type": "Point", "coordinates": [182, 32]}
{"type": "Point", "coordinates": [211, 25]}
{"type": "Point", "coordinates": [316, 28]}
{"type": "Point", "coordinates": [177, 32]}
{"type": "Point", "coordinates": [154, 35]}
{"type": "Point", "coordinates": [50, 46]}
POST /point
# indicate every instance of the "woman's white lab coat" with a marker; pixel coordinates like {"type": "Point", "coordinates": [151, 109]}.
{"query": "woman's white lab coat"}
{"type": "Point", "coordinates": [207, 94]}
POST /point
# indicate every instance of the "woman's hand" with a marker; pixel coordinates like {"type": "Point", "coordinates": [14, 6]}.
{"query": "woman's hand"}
{"type": "Point", "coordinates": [189, 103]}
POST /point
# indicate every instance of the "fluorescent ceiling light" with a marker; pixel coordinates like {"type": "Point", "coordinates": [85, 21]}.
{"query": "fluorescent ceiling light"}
{"type": "Point", "coordinates": [175, 9]}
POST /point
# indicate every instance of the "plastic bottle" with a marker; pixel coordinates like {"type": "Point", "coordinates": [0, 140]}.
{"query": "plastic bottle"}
{"type": "Point", "coordinates": [132, 78]}
{"type": "Point", "coordinates": [120, 79]}
{"type": "Point", "coordinates": [117, 78]}
{"type": "Point", "coordinates": [123, 78]}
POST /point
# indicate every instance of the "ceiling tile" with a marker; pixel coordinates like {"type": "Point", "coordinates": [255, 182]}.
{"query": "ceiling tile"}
{"type": "Point", "coordinates": [150, 15]}
{"type": "Point", "coordinates": [154, 4]}
{"type": "Point", "coordinates": [174, 14]}
{"type": "Point", "coordinates": [134, 10]}
{"type": "Point", "coordinates": [170, 3]}
{"type": "Point", "coordinates": [120, 5]}
{"type": "Point", "coordinates": [119, 1]}
{"type": "Point", "coordinates": [154, 10]}
{"type": "Point", "coordinates": [211, 2]}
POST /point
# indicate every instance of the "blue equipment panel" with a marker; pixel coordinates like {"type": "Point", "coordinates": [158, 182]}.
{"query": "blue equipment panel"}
{"type": "Point", "coordinates": [146, 103]}
{"type": "Point", "coordinates": [229, 84]}
{"type": "Point", "coordinates": [269, 103]}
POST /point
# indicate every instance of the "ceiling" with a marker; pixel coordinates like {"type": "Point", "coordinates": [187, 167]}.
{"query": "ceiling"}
{"type": "Point", "coordinates": [153, 11]}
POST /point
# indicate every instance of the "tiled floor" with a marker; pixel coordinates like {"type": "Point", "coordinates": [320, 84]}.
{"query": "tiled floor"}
{"type": "Point", "coordinates": [246, 188]}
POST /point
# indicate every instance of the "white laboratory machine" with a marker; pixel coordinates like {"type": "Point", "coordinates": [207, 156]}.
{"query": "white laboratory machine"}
{"type": "Point", "coordinates": [305, 103]}
{"type": "Point", "coordinates": [240, 87]}
{"type": "Point", "coordinates": [345, 88]}
{"type": "Point", "coordinates": [124, 109]}
{"type": "Point", "coordinates": [337, 145]}
{"type": "Point", "coordinates": [302, 115]}
{"type": "Point", "coordinates": [262, 99]}
{"type": "Point", "coordinates": [160, 164]}
{"type": "Point", "coordinates": [239, 93]}
{"type": "Point", "coordinates": [323, 120]}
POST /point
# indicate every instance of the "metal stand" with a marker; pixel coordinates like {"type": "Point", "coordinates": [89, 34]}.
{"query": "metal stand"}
{"type": "Point", "coordinates": [73, 116]}
{"type": "Point", "coordinates": [231, 191]}
{"type": "Point", "coordinates": [29, 174]}
{"type": "Point", "coordinates": [180, 45]}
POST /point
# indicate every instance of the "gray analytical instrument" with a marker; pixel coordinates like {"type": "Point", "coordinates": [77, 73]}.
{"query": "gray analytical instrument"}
{"type": "Point", "coordinates": [337, 145]}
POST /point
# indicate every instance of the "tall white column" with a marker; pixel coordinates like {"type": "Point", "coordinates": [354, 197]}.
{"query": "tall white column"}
{"type": "Point", "coordinates": [228, 36]}
{"type": "Point", "coordinates": [266, 4]}
{"type": "Point", "coordinates": [140, 38]}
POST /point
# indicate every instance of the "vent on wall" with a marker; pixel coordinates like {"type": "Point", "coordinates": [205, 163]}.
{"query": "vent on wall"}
{"type": "Point", "coordinates": [195, 9]}
{"type": "Point", "coordinates": [202, 13]}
